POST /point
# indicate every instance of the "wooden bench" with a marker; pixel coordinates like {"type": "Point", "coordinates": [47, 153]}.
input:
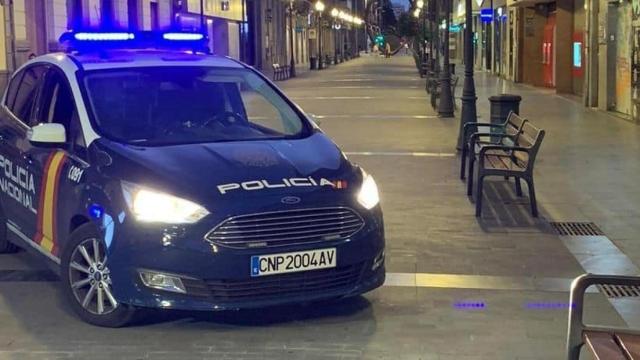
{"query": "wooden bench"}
{"type": "Point", "coordinates": [508, 161]}
{"type": "Point", "coordinates": [491, 134]}
{"type": "Point", "coordinates": [605, 343]}
{"type": "Point", "coordinates": [280, 72]}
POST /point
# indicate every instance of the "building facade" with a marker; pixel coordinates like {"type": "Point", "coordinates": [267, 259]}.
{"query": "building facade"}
{"type": "Point", "coordinates": [282, 30]}
{"type": "Point", "coordinates": [33, 27]}
{"type": "Point", "coordinates": [587, 48]}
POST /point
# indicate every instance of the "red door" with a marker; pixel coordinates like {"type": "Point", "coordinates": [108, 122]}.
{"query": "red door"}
{"type": "Point", "coordinates": [548, 52]}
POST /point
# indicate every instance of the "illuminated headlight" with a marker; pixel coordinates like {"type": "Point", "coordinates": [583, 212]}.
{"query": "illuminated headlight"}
{"type": "Point", "coordinates": [162, 281]}
{"type": "Point", "coordinates": [151, 206]}
{"type": "Point", "coordinates": [368, 196]}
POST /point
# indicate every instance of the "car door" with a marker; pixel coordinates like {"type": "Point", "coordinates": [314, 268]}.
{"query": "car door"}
{"type": "Point", "coordinates": [59, 166]}
{"type": "Point", "coordinates": [17, 183]}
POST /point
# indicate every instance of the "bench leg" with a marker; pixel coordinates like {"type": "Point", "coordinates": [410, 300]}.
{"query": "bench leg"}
{"type": "Point", "coordinates": [532, 198]}
{"type": "Point", "coordinates": [518, 187]}
{"type": "Point", "coordinates": [463, 160]}
{"type": "Point", "coordinates": [479, 195]}
{"type": "Point", "coordinates": [472, 160]}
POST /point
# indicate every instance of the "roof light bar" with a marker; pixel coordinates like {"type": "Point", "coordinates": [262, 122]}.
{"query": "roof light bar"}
{"type": "Point", "coordinates": [86, 41]}
{"type": "Point", "coordinates": [182, 36]}
{"type": "Point", "coordinates": [104, 36]}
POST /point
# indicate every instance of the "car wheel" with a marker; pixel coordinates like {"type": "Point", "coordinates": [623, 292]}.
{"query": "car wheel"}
{"type": "Point", "coordinates": [87, 283]}
{"type": "Point", "coordinates": [5, 246]}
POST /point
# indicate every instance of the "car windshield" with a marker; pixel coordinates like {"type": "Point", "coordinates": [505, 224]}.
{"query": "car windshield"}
{"type": "Point", "coordinates": [180, 105]}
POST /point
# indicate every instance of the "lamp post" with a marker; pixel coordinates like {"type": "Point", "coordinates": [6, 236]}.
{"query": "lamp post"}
{"type": "Point", "coordinates": [432, 37]}
{"type": "Point", "coordinates": [292, 63]}
{"type": "Point", "coordinates": [469, 111]}
{"type": "Point", "coordinates": [420, 12]}
{"type": "Point", "coordinates": [436, 36]}
{"type": "Point", "coordinates": [319, 6]}
{"type": "Point", "coordinates": [334, 14]}
{"type": "Point", "coordinates": [445, 106]}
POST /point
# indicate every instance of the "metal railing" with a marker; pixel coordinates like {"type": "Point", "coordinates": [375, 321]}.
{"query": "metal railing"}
{"type": "Point", "coordinates": [576, 326]}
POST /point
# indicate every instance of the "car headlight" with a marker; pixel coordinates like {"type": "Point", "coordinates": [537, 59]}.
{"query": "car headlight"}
{"type": "Point", "coordinates": [368, 196]}
{"type": "Point", "coordinates": [152, 206]}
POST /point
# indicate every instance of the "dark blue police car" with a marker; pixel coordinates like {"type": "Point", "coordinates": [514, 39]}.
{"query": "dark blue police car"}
{"type": "Point", "coordinates": [175, 179]}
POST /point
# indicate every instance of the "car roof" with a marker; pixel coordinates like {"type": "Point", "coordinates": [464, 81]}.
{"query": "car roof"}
{"type": "Point", "coordinates": [112, 59]}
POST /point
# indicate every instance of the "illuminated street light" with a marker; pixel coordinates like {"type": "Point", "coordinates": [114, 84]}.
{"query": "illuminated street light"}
{"type": "Point", "coordinates": [319, 6]}
{"type": "Point", "coordinates": [416, 13]}
{"type": "Point", "coordinates": [420, 4]}
{"type": "Point", "coordinates": [335, 12]}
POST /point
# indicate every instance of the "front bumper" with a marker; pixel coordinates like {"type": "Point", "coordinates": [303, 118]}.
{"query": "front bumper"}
{"type": "Point", "coordinates": [218, 278]}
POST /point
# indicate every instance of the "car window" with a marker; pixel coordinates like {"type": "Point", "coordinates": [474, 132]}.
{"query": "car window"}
{"type": "Point", "coordinates": [57, 105]}
{"type": "Point", "coordinates": [27, 91]}
{"type": "Point", "coordinates": [12, 90]}
{"type": "Point", "coordinates": [260, 110]}
{"type": "Point", "coordinates": [181, 105]}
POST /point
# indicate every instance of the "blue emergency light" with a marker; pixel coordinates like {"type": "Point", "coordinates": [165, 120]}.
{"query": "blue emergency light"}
{"type": "Point", "coordinates": [105, 40]}
{"type": "Point", "coordinates": [107, 36]}
{"type": "Point", "coordinates": [183, 36]}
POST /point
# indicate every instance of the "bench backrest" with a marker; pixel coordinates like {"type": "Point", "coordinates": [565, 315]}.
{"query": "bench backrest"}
{"type": "Point", "coordinates": [514, 124]}
{"type": "Point", "coordinates": [530, 137]}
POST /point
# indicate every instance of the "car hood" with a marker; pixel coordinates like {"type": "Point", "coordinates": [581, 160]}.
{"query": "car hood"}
{"type": "Point", "coordinates": [232, 170]}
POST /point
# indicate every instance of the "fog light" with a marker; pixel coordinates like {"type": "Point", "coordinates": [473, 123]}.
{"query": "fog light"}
{"type": "Point", "coordinates": [378, 261]}
{"type": "Point", "coordinates": [162, 281]}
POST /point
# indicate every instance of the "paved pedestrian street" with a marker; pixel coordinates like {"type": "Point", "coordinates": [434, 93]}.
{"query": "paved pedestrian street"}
{"type": "Point", "coordinates": [457, 287]}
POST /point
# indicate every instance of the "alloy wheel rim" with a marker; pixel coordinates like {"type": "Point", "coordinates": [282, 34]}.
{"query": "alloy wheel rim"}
{"type": "Point", "coordinates": [89, 278]}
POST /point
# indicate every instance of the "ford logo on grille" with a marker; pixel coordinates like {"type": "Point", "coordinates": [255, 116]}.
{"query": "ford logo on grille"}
{"type": "Point", "coordinates": [290, 200]}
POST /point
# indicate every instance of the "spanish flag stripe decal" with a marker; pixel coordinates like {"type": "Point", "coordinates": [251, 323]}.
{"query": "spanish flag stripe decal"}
{"type": "Point", "coordinates": [38, 237]}
{"type": "Point", "coordinates": [46, 215]}
{"type": "Point", "coordinates": [54, 221]}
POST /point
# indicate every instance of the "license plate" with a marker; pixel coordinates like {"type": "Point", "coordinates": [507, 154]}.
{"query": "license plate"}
{"type": "Point", "coordinates": [262, 265]}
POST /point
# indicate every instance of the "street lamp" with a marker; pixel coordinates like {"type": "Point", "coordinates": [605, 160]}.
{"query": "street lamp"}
{"type": "Point", "coordinates": [335, 13]}
{"type": "Point", "coordinates": [445, 106]}
{"type": "Point", "coordinates": [319, 6]}
{"type": "Point", "coordinates": [292, 64]}
{"type": "Point", "coordinates": [469, 111]}
{"type": "Point", "coordinates": [419, 9]}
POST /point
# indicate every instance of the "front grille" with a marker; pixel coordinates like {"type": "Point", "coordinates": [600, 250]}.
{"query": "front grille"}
{"type": "Point", "coordinates": [275, 286]}
{"type": "Point", "coordinates": [286, 228]}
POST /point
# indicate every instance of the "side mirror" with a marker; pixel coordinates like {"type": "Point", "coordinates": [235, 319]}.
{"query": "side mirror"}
{"type": "Point", "coordinates": [47, 134]}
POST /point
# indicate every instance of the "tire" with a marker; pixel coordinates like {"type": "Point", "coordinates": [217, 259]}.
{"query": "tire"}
{"type": "Point", "coordinates": [6, 247]}
{"type": "Point", "coordinates": [92, 280]}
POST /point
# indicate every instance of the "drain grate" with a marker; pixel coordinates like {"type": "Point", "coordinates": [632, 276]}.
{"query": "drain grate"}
{"type": "Point", "coordinates": [576, 229]}
{"type": "Point", "coordinates": [618, 291]}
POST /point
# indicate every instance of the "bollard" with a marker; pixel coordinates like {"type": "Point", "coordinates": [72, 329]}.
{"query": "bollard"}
{"type": "Point", "coordinates": [501, 106]}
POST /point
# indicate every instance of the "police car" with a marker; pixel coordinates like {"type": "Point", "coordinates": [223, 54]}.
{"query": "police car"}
{"type": "Point", "coordinates": [164, 177]}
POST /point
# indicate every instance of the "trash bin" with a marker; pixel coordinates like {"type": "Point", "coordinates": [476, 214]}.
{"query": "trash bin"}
{"type": "Point", "coordinates": [313, 63]}
{"type": "Point", "coordinates": [501, 106]}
